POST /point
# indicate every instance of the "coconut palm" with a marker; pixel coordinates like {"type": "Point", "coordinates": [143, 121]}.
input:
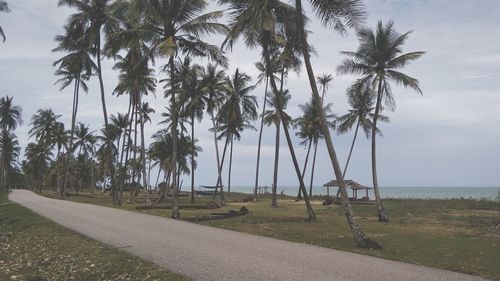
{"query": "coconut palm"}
{"type": "Point", "coordinates": [175, 27]}
{"type": "Point", "coordinates": [379, 58]}
{"type": "Point", "coordinates": [213, 85]}
{"type": "Point", "coordinates": [193, 101]}
{"type": "Point", "coordinates": [267, 24]}
{"type": "Point", "coordinates": [9, 148]}
{"type": "Point", "coordinates": [75, 67]}
{"type": "Point", "coordinates": [260, 79]}
{"type": "Point", "coordinates": [39, 156]}
{"type": "Point", "coordinates": [361, 99]}
{"type": "Point", "coordinates": [43, 125]}
{"type": "Point", "coordinates": [4, 7]}
{"type": "Point", "coordinates": [236, 113]}
{"type": "Point", "coordinates": [273, 117]}
{"type": "Point", "coordinates": [60, 138]}
{"type": "Point", "coordinates": [340, 15]}
{"type": "Point", "coordinates": [10, 119]}
{"type": "Point", "coordinates": [145, 112]}
{"type": "Point", "coordinates": [92, 17]}
{"type": "Point", "coordinates": [310, 132]}
{"type": "Point", "coordinates": [324, 80]}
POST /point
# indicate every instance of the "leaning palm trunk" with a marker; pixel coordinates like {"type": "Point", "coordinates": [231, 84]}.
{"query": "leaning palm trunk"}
{"type": "Point", "coordinates": [219, 181]}
{"type": "Point", "coordinates": [230, 169]}
{"type": "Point", "coordinates": [313, 168]}
{"type": "Point", "coordinates": [132, 191]}
{"type": "Point", "coordinates": [310, 212]}
{"type": "Point", "coordinates": [219, 165]}
{"type": "Point", "coordinates": [70, 147]}
{"type": "Point", "coordinates": [299, 194]}
{"type": "Point", "coordinates": [382, 215]}
{"type": "Point", "coordinates": [260, 142]}
{"type": "Point", "coordinates": [350, 154]}
{"type": "Point", "coordinates": [274, 203]}
{"type": "Point", "coordinates": [361, 238]}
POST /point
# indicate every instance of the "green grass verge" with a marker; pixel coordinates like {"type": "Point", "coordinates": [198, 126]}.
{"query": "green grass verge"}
{"type": "Point", "coordinates": [460, 235]}
{"type": "Point", "coordinates": [33, 248]}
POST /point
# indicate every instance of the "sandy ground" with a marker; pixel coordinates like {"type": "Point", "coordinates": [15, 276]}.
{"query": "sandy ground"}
{"type": "Point", "coordinates": [206, 253]}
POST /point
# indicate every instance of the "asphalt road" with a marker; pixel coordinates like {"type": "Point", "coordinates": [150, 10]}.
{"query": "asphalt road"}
{"type": "Point", "coordinates": [206, 253]}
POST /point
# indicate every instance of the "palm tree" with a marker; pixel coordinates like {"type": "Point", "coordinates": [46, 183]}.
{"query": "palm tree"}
{"type": "Point", "coordinates": [43, 125]}
{"type": "Point", "coordinates": [145, 112]}
{"type": "Point", "coordinates": [235, 114]}
{"type": "Point", "coordinates": [193, 101]}
{"type": "Point", "coordinates": [267, 24]}
{"type": "Point", "coordinates": [10, 119]}
{"type": "Point", "coordinates": [361, 99]}
{"type": "Point", "coordinates": [273, 117]}
{"type": "Point", "coordinates": [339, 14]}
{"type": "Point", "coordinates": [309, 125]}
{"type": "Point", "coordinates": [213, 85]}
{"type": "Point", "coordinates": [324, 81]}
{"type": "Point", "coordinates": [379, 58]}
{"type": "Point", "coordinates": [9, 148]}
{"type": "Point", "coordinates": [75, 67]}
{"type": "Point", "coordinates": [91, 18]}
{"type": "Point", "coordinates": [38, 155]}
{"type": "Point", "coordinates": [4, 7]}
{"type": "Point", "coordinates": [60, 138]}
{"type": "Point", "coordinates": [83, 139]}
{"type": "Point", "coordinates": [175, 27]}
{"type": "Point", "coordinates": [260, 78]}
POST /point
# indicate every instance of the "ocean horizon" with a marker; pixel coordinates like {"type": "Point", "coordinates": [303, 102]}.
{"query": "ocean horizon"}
{"type": "Point", "coordinates": [400, 192]}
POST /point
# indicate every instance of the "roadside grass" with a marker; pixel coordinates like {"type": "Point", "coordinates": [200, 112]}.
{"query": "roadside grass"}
{"type": "Point", "coordinates": [33, 248]}
{"type": "Point", "coordinates": [457, 234]}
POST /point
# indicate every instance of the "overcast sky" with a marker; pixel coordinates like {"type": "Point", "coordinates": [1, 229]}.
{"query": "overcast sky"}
{"type": "Point", "coordinates": [450, 136]}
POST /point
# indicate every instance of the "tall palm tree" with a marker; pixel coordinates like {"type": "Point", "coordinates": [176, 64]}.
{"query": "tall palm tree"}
{"type": "Point", "coordinates": [361, 99]}
{"type": "Point", "coordinates": [92, 17]}
{"type": "Point", "coordinates": [339, 14]}
{"type": "Point", "coordinates": [145, 112]}
{"type": "Point", "coordinates": [83, 139]}
{"type": "Point", "coordinates": [213, 85]}
{"type": "Point", "coordinates": [75, 67]}
{"type": "Point", "coordinates": [379, 58]}
{"type": "Point", "coordinates": [260, 23]}
{"type": "Point", "coordinates": [324, 80]}
{"type": "Point", "coordinates": [193, 101]}
{"type": "Point", "coordinates": [309, 125]}
{"type": "Point", "coordinates": [175, 27]}
{"type": "Point", "coordinates": [10, 119]}
{"type": "Point", "coordinates": [260, 79]}
{"type": "Point", "coordinates": [273, 117]}
{"type": "Point", "coordinates": [236, 113]}
{"type": "Point", "coordinates": [9, 148]}
{"type": "Point", "coordinates": [4, 7]}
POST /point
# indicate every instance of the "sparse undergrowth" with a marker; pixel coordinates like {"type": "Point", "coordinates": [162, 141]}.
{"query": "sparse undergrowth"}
{"type": "Point", "coordinates": [457, 234]}
{"type": "Point", "coordinates": [33, 248]}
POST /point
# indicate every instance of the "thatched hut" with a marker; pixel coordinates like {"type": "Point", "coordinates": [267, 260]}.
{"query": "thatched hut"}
{"type": "Point", "coordinates": [349, 184]}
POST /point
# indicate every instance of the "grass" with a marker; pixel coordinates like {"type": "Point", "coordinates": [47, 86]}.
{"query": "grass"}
{"type": "Point", "coordinates": [460, 234]}
{"type": "Point", "coordinates": [33, 248]}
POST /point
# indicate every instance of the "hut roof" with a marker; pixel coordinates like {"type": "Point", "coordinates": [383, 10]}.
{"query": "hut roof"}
{"type": "Point", "coordinates": [349, 183]}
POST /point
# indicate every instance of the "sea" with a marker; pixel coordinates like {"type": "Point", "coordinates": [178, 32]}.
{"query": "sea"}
{"type": "Point", "coordinates": [402, 192]}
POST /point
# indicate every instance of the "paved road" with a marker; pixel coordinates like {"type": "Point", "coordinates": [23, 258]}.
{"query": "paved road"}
{"type": "Point", "coordinates": [206, 253]}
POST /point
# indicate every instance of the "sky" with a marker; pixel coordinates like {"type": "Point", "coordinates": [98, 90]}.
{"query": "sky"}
{"type": "Point", "coordinates": [449, 136]}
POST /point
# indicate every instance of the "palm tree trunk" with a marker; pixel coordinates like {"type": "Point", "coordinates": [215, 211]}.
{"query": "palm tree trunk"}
{"type": "Point", "coordinates": [175, 207]}
{"type": "Point", "coordinates": [299, 194]}
{"type": "Point", "coordinates": [274, 203]}
{"type": "Point", "coordinates": [382, 215]}
{"type": "Point", "coordinates": [126, 136]}
{"type": "Point", "coordinates": [143, 163]}
{"type": "Point", "coordinates": [192, 158]}
{"type": "Point", "coordinates": [70, 147]}
{"type": "Point", "coordinates": [313, 168]}
{"type": "Point", "coordinates": [219, 181]}
{"type": "Point", "coordinates": [230, 168]}
{"type": "Point", "coordinates": [361, 239]}
{"type": "Point", "coordinates": [134, 172]}
{"type": "Point", "coordinates": [310, 212]}
{"type": "Point", "coordinates": [260, 141]}
{"type": "Point", "coordinates": [350, 151]}
{"type": "Point", "coordinates": [219, 166]}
